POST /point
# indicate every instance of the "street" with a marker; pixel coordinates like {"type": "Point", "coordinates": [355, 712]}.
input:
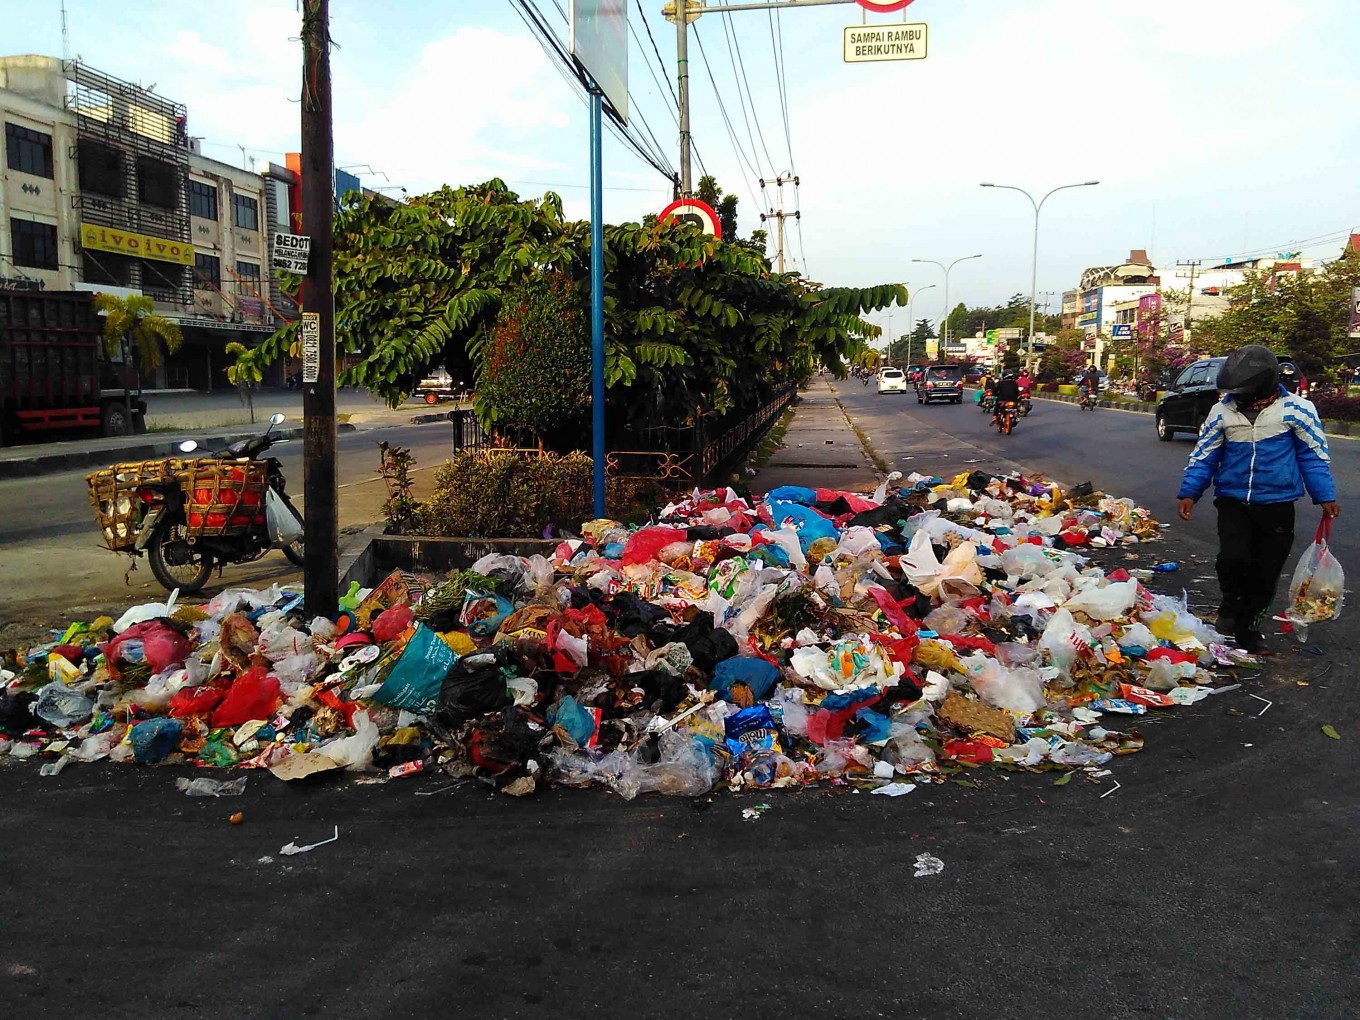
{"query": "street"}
{"type": "Point", "coordinates": [1212, 881]}
{"type": "Point", "coordinates": [52, 568]}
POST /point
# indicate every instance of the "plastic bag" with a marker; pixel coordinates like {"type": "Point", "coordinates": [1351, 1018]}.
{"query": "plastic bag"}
{"type": "Point", "coordinates": [61, 706]}
{"type": "Point", "coordinates": [415, 680]}
{"type": "Point", "coordinates": [1061, 638]}
{"type": "Point", "coordinates": [211, 787]}
{"type": "Point", "coordinates": [1317, 590]}
{"type": "Point", "coordinates": [1107, 603]}
{"type": "Point", "coordinates": [284, 527]}
{"type": "Point", "coordinates": [1016, 690]}
{"type": "Point", "coordinates": [683, 770]}
{"type": "Point", "coordinates": [474, 685]}
{"type": "Point", "coordinates": [354, 752]}
{"type": "Point", "coordinates": [253, 695]}
{"type": "Point", "coordinates": [156, 642]}
{"type": "Point", "coordinates": [617, 770]}
{"type": "Point", "coordinates": [153, 740]}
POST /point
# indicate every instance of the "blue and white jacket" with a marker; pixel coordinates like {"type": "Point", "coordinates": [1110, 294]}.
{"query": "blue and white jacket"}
{"type": "Point", "coordinates": [1270, 460]}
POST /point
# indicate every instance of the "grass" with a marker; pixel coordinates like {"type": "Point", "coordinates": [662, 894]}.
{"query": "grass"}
{"type": "Point", "coordinates": [772, 441]}
{"type": "Point", "coordinates": [880, 465]}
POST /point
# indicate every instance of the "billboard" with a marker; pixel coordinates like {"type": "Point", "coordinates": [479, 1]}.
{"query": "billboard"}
{"type": "Point", "coordinates": [95, 237]}
{"type": "Point", "coordinates": [599, 41]}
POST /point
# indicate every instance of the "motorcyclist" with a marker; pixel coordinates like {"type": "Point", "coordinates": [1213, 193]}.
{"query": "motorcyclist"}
{"type": "Point", "coordinates": [986, 384]}
{"type": "Point", "coordinates": [1007, 391]}
{"type": "Point", "coordinates": [1090, 380]}
{"type": "Point", "coordinates": [1024, 382]}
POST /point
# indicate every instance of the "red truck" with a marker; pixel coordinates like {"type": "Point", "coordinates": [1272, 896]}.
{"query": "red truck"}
{"type": "Point", "coordinates": [55, 372]}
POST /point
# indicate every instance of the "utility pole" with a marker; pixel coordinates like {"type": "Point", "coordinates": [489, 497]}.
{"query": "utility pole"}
{"type": "Point", "coordinates": [679, 11]}
{"type": "Point", "coordinates": [1190, 294]}
{"type": "Point", "coordinates": [321, 565]}
{"type": "Point", "coordinates": [779, 214]}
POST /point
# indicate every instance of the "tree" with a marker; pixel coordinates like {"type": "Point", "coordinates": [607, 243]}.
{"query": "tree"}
{"type": "Point", "coordinates": [1305, 315]}
{"type": "Point", "coordinates": [1064, 356]}
{"type": "Point", "coordinates": [956, 325]}
{"type": "Point", "coordinates": [133, 321]}
{"type": "Point", "coordinates": [724, 205]}
{"type": "Point", "coordinates": [924, 331]}
{"type": "Point", "coordinates": [694, 326]}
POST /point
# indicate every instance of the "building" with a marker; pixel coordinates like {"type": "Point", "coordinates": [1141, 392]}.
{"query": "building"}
{"type": "Point", "coordinates": [103, 189]}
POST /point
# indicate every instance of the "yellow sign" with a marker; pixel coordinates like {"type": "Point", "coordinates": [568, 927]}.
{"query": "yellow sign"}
{"type": "Point", "coordinates": [141, 246]}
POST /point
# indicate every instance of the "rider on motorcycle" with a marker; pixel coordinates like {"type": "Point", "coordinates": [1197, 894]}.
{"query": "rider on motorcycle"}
{"type": "Point", "coordinates": [1090, 380]}
{"type": "Point", "coordinates": [1024, 382]}
{"type": "Point", "coordinates": [1007, 392]}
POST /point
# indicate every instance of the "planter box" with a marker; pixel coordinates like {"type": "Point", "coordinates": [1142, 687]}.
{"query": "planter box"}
{"type": "Point", "coordinates": [381, 554]}
{"type": "Point", "coordinates": [1067, 391]}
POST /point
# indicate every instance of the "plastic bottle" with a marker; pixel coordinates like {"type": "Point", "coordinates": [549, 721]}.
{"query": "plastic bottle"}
{"type": "Point", "coordinates": [1169, 567]}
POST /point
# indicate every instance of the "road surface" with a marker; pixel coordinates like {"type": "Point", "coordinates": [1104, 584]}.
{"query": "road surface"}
{"type": "Point", "coordinates": [51, 563]}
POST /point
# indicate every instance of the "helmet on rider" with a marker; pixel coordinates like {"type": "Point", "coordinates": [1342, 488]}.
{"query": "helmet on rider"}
{"type": "Point", "coordinates": [1250, 373]}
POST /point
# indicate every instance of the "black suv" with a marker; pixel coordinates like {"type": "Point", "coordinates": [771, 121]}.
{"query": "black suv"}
{"type": "Point", "coordinates": [942, 382]}
{"type": "Point", "coordinates": [1191, 397]}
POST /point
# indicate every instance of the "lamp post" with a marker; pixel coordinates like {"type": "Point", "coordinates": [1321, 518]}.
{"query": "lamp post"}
{"type": "Point", "coordinates": [1034, 260]}
{"type": "Point", "coordinates": [944, 335]}
{"type": "Point", "coordinates": [911, 319]}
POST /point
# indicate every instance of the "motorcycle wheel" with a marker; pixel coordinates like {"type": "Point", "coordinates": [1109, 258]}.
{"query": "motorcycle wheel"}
{"type": "Point", "coordinates": [294, 552]}
{"type": "Point", "coordinates": [189, 576]}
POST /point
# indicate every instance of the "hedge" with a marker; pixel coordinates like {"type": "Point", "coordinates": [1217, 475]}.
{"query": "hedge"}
{"type": "Point", "coordinates": [1338, 408]}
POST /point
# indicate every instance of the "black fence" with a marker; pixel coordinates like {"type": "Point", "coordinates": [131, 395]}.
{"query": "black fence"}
{"type": "Point", "coordinates": [693, 455]}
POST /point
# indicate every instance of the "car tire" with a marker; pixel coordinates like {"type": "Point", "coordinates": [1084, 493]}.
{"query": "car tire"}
{"type": "Point", "coordinates": [1164, 431]}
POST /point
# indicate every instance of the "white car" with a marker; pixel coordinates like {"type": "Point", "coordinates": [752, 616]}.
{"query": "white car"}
{"type": "Point", "coordinates": [892, 380]}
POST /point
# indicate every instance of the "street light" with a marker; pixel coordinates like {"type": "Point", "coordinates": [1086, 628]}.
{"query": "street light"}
{"type": "Point", "coordinates": [1034, 261]}
{"type": "Point", "coordinates": [944, 335]}
{"type": "Point", "coordinates": [911, 318]}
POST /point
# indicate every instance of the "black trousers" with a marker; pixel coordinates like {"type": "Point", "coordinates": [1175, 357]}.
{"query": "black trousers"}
{"type": "Point", "coordinates": [1253, 546]}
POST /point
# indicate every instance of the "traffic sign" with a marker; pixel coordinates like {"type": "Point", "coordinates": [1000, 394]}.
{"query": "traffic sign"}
{"type": "Point", "coordinates": [691, 210]}
{"type": "Point", "coordinates": [883, 6]}
{"type": "Point", "coordinates": [290, 253]}
{"type": "Point", "coordinates": [863, 43]}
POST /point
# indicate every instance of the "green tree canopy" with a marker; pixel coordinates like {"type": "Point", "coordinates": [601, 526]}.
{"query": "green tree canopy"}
{"type": "Point", "coordinates": [133, 320]}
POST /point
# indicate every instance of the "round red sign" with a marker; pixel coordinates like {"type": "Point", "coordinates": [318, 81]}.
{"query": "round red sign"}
{"type": "Point", "coordinates": [694, 211]}
{"type": "Point", "coordinates": [883, 6]}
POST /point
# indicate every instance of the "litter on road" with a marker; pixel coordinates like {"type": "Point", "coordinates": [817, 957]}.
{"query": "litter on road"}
{"type": "Point", "coordinates": [807, 637]}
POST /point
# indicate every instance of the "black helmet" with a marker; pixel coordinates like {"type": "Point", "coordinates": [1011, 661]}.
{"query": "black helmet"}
{"type": "Point", "coordinates": [1252, 372]}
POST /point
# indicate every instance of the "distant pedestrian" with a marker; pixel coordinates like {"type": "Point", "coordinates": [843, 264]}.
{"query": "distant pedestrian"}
{"type": "Point", "coordinates": [1260, 447]}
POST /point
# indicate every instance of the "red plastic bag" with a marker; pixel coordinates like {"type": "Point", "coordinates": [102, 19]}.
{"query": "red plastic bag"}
{"type": "Point", "coordinates": [253, 695]}
{"type": "Point", "coordinates": [162, 646]}
{"type": "Point", "coordinates": [196, 701]}
{"type": "Point", "coordinates": [643, 546]}
{"type": "Point", "coordinates": [391, 622]}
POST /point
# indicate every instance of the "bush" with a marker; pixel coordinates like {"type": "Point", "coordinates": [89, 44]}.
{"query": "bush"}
{"type": "Point", "coordinates": [1067, 390]}
{"type": "Point", "coordinates": [1338, 408]}
{"type": "Point", "coordinates": [511, 495]}
{"type": "Point", "coordinates": [535, 380]}
{"type": "Point", "coordinates": [1048, 387]}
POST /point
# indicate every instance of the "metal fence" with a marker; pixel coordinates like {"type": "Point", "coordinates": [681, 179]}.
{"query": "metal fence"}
{"type": "Point", "coordinates": [711, 446]}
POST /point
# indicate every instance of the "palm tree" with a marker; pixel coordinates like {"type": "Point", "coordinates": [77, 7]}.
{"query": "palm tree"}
{"type": "Point", "coordinates": [132, 323]}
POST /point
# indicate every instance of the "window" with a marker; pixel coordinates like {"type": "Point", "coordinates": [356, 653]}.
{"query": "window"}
{"type": "Point", "coordinates": [161, 276]}
{"type": "Point", "coordinates": [207, 272]}
{"type": "Point", "coordinates": [157, 183]}
{"type": "Point", "coordinates": [106, 267]}
{"type": "Point", "coordinates": [245, 213]}
{"type": "Point", "coordinates": [249, 274]}
{"type": "Point", "coordinates": [34, 244]}
{"type": "Point", "coordinates": [101, 169]}
{"type": "Point", "coordinates": [1198, 375]}
{"type": "Point", "coordinates": [28, 151]}
{"type": "Point", "coordinates": [202, 200]}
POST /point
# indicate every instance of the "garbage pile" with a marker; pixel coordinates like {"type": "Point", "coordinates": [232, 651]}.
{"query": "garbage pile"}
{"type": "Point", "coordinates": [810, 636]}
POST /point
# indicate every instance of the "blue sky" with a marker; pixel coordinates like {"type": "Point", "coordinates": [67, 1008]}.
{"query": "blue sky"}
{"type": "Point", "coordinates": [1215, 126]}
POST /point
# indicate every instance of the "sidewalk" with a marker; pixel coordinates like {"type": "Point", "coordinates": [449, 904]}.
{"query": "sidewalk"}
{"type": "Point", "coordinates": [820, 449]}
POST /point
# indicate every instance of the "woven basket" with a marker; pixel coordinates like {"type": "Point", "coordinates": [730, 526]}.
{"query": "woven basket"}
{"type": "Point", "coordinates": [223, 497]}
{"type": "Point", "coordinates": [113, 494]}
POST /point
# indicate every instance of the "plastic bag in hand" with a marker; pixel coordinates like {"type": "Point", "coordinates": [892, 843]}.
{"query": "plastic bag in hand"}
{"type": "Point", "coordinates": [1318, 588]}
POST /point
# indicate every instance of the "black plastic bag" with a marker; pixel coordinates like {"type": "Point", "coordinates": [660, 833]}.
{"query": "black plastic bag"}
{"type": "Point", "coordinates": [475, 685]}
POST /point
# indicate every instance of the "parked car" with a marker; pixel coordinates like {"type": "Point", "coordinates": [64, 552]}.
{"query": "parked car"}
{"type": "Point", "coordinates": [943, 382]}
{"type": "Point", "coordinates": [1194, 392]}
{"type": "Point", "coordinates": [892, 380]}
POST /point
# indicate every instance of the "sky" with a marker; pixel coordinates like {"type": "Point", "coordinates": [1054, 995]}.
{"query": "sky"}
{"type": "Point", "coordinates": [1216, 127]}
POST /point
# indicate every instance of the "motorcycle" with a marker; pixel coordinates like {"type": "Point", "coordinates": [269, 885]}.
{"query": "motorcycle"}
{"type": "Point", "coordinates": [987, 405]}
{"type": "Point", "coordinates": [182, 559]}
{"type": "Point", "coordinates": [1087, 399]}
{"type": "Point", "coordinates": [1026, 406]}
{"type": "Point", "coordinates": [1007, 417]}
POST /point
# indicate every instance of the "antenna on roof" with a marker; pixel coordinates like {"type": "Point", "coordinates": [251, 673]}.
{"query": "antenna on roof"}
{"type": "Point", "coordinates": [65, 38]}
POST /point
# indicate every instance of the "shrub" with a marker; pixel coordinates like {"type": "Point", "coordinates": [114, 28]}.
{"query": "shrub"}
{"type": "Point", "coordinates": [1067, 390]}
{"type": "Point", "coordinates": [503, 494]}
{"type": "Point", "coordinates": [1048, 387]}
{"type": "Point", "coordinates": [1338, 408]}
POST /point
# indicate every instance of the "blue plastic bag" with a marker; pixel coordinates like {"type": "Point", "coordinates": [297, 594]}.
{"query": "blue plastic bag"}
{"type": "Point", "coordinates": [153, 740]}
{"type": "Point", "coordinates": [576, 721]}
{"type": "Point", "coordinates": [415, 679]}
{"type": "Point", "coordinates": [810, 524]}
{"type": "Point", "coordinates": [757, 674]}
{"type": "Point", "coordinates": [792, 494]}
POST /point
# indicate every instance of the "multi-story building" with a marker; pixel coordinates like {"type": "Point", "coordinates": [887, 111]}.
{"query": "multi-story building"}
{"type": "Point", "coordinates": [103, 189]}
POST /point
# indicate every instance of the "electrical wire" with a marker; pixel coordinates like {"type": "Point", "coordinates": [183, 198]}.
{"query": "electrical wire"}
{"type": "Point", "coordinates": [777, 44]}
{"type": "Point", "coordinates": [737, 61]}
{"type": "Point", "coordinates": [727, 122]}
{"type": "Point", "coordinates": [659, 62]}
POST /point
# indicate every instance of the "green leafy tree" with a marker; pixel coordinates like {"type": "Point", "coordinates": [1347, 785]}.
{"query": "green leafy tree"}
{"type": "Point", "coordinates": [132, 321]}
{"type": "Point", "coordinates": [724, 205]}
{"type": "Point", "coordinates": [924, 330]}
{"type": "Point", "coordinates": [1063, 357]}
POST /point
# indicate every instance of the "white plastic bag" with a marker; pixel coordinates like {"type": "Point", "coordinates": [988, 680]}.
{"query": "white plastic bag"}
{"type": "Point", "coordinates": [284, 527]}
{"type": "Point", "coordinates": [354, 752]}
{"type": "Point", "coordinates": [1318, 588]}
{"type": "Point", "coordinates": [1107, 603]}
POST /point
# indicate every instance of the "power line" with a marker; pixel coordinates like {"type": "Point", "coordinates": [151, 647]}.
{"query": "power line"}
{"type": "Point", "coordinates": [735, 58]}
{"type": "Point", "coordinates": [659, 62]}
{"type": "Point", "coordinates": [727, 122]}
{"type": "Point", "coordinates": [777, 44]}
{"type": "Point", "coordinates": [802, 255]}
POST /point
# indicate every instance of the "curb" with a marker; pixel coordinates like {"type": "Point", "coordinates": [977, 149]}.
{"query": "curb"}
{"type": "Point", "coordinates": [51, 463]}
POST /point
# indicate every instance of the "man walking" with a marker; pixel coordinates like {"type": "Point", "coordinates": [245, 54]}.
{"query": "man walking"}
{"type": "Point", "coordinates": [1260, 447]}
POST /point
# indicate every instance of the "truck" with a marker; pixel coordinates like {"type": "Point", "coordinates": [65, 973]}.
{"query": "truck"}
{"type": "Point", "coordinates": [56, 374]}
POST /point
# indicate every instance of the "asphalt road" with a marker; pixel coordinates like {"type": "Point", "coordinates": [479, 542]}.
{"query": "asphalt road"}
{"type": "Point", "coordinates": [1217, 880]}
{"type": "Point", "coordinates": [51, 562]}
